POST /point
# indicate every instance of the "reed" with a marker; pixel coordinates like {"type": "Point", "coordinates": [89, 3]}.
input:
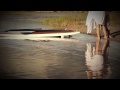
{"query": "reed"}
{"type": "Point", "coordinates": [72, 22]}
{"type": "Point", "coordinates": [76, 21]}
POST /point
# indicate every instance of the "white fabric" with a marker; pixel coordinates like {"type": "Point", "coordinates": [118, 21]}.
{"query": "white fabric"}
{"type": "Point", "coordinates": [95, 62]}
{"type": "Point", "coordinates": [95, 17]}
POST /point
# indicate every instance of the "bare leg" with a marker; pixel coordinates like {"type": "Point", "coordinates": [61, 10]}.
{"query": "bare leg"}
{"type": "Point", "coordinates": [98, 31]}
{"type": "Point", "coordinates": [98, 47]}
{"type": "Point", "coordinates": [105, 31]}
{"type": "Point", "coordinates": [104, 48]}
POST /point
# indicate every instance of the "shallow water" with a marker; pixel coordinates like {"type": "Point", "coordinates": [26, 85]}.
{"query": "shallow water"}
{"type": "Point", "coordinates": [27, 59]}
{"type": "Point", "coordinates": [21, 20]}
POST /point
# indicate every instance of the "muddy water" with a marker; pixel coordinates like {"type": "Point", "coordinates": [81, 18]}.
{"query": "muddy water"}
{"type": "Point", "coordinates": [52, 59]}
{"type": "Point", "coordinates": [27, 59]}
{"type": "Point", "coordinates": [24, 20]}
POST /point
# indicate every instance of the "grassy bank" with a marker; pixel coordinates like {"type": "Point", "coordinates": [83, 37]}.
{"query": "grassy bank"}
{"type": "Point", "coordinates": [73, 21]}
{"type": "Point", "coordinates": [76, 21]}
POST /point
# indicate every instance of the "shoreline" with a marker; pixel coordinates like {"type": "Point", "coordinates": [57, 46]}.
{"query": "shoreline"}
{"type": "Point", "coordinates": [116, 38]}
{"type": "Point", "coordinates": [24, 20]}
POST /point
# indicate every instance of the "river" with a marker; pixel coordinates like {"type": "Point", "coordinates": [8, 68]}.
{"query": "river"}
{"type": "Point", "coordinates": [30, 59]}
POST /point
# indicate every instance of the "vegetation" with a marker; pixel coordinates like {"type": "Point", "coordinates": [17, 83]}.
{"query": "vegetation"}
{"type": "Point", "coordinates": [76, 21]}
{"type": "Point", "coordinates": [72, 21]}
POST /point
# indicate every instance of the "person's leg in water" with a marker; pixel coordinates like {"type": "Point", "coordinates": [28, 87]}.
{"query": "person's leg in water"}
{"type": "Point", "coordinates": [105, 31]}
{"type": "Point", "coordinates": [98, 32]}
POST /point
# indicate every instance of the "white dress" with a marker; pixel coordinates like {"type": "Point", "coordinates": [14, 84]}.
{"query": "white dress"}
{"type": "Point", "coordinates": [96, 17]}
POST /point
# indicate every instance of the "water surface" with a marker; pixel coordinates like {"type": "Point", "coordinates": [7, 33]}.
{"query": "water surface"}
{"type": "Point", "coordinates": [27, 59]}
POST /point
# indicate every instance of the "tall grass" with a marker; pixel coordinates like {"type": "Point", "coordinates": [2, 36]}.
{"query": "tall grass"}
{"type": "Point", "coordinates": [76, 21]}
{"type": "Point", "coordinates": [71, 22]}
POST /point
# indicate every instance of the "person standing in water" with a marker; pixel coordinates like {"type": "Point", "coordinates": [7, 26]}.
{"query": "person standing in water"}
{"type": "Point", "coordinates": [98, 20]}
{"type": "Point", "coordinates": [97, 60]}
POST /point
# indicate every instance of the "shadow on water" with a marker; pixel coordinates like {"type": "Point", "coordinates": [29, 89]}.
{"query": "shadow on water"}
{"type": "Point", "coordinates": [97, 60]}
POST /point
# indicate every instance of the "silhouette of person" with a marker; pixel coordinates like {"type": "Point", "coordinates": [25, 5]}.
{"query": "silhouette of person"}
{"type": "Point", "coordinates": [97, 60]}
{"type": "Point", "coordinates": [98, 20]}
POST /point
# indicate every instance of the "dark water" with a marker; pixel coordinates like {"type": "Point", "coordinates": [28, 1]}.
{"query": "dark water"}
{"type": "Point", "coordinates": [24, 20]}
{"type": "Point", "coordinates": [27, 59]}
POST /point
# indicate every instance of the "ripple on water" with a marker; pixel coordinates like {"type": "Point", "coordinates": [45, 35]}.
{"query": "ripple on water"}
{"type": "Point", "coordinates": [53, 59]}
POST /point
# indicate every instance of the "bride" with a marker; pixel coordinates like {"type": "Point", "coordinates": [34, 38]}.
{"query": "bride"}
{"type": "Point", "coordinates": [98, 20]}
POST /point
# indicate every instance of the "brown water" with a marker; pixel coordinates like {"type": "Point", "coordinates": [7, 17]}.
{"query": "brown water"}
{"type": "Point", "coordinates": [51, 60]}
{"type": "Point", "coordinates": [27, 59]}
{"type": "Point", "coordinates": [24, 20]}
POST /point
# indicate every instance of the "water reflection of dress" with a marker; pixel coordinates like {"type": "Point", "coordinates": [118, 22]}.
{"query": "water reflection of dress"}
{"type": "Point", "coordinates": [98, 66]}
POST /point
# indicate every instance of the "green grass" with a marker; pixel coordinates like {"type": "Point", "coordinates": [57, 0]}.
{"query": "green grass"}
{"type": "Point", "coordinates": [72, 21]}
{"type": "Point", "coordinates": [62, 22]}
{"type": "Point", "coordinates": [76, 21]}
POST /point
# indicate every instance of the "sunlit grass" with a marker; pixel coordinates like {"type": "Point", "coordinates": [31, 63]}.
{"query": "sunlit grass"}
{"type": "Point", "coordinates": [72, 21]}
{"type": "Point", "coordinates": [76, 21]}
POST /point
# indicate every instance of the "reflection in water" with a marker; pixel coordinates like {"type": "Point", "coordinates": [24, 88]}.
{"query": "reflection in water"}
{"type": "Point", "coordinates": [97, 60]}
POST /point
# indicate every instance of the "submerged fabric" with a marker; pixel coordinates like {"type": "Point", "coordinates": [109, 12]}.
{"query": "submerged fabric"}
{"type": "Point", "coordinates": [96, 17]}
